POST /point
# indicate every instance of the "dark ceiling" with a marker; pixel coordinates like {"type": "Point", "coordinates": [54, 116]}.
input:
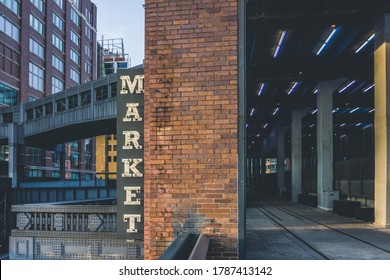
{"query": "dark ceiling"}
{"type": "Point", "coordinates": [318, 40]}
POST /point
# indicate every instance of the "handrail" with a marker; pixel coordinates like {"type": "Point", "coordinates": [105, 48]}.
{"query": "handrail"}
{"type": "Point", "coordinates": [187, 246]}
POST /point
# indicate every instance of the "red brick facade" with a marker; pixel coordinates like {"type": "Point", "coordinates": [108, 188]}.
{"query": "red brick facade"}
{"type": "Point", "coordinates": [191, 124]}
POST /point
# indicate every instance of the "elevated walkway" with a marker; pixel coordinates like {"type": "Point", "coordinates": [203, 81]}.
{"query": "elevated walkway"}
{"type": "Point", "coordinates": [282, 230]}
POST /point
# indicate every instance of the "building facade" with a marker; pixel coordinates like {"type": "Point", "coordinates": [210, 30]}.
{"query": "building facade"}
{"type": "Point", "coordinates": [45, 48]}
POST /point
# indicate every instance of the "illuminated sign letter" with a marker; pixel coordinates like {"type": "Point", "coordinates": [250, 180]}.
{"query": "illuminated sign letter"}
{"type": "Point", "coordinates": [132, 219]}
{"type": "Point", "coordinates": [127, 167]}
{"type": "Point", "coordinates": [131, 140]}
{"type": "Point", "coordinates": [130, 194]}
{"type": "Point", "coordinates": [132, 113]}
{"type": "Point", "coordinates": [128, 85]}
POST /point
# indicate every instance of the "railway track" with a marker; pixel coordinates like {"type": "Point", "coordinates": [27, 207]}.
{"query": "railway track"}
{"type": "Point", "coordinates": [290, 220]}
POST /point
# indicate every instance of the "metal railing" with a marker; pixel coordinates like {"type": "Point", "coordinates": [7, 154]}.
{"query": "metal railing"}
{"type": "Point", "coordinates": [75, 218]}
{"type": "Point", "coordinates": [187, 246]}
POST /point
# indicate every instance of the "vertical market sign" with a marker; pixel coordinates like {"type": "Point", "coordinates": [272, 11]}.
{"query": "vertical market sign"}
{"type": "Point", "coordinates": [130, 154]}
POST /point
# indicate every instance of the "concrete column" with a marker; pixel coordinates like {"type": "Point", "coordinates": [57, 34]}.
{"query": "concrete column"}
{"type": "Point", "coordinates": [382, 114]}
{"type": "Point", "coordinates": [296, 153]}
{"type": "Point", "coordinates": [325, 192]}
{"type": "Point", "coordinates": [13, 154]}
{"type": "Point", "coordinates": [281, 156]}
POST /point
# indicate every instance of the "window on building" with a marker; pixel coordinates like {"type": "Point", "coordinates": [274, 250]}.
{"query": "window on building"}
{"type": "Point", "coordinates": [32, 173]}
{"type": "Point", "coordinates": [114, 158]}
{"type": "Point", "coordinates": [75, 145]}
{"type": "Point", "coordinates": [8, 117]}
{"type": "Point", "coordinates": [56, 85]}
{"type": "Point", "coordinates": [4, 152]}
{"type": "Point", "coordinates": [74, 160]}
{"type": "Point", "coordinates": [76, 3]}
{"type": "Point", "coordinates": [37, 48]}
{"type": "Point", "coordinates": [74, 16]}
{"type": "Point", "coordinates": [75, 56]}
{"type": "Point", "coordinates": [74, 75]}
{"type": "Point", "coordinates": [114, 89]}
{"type": "Point", "coordinates": [101, 93]}
{"type": "Point", "coordinates": [55, 174]}
{"type": "Point", "coordinates": [61, 105]}
{"type": "Point", "coordinates": [36, 155]}
{"type": "Point", "coordinates": [13, 5]}
{"type": "Point", "coordinates": [88, 51]}
{"type": "Point", "coordinates": [85, 98]}
{"type": "Point", "coordinates": [30, 114]}
{"type": "Point", "coordinates": [40, 4]}
{"type": "Point", "coordinates": [74, 176]}
{"type": "Point", "coordinates": [37, 25]}
{"type": "Point", "coordinates": [48, 109]}
{"type": "Point", "coordinates": [58, 63]}
{"type": "Point", "coordinates": [88, 177]}
{"type": "Point", "coordinates": [56, 159]}
{"type": "Point", "coordinates": [36, 77]}
{"type": "Point", "coordinates": [88, 68]}
{"type": "Point", "coordinates": [75, 38]}
{"type": "Point", "coordinates": [59, 22]}
{"type": "Point", "coordinates": [88, 161]}
{"type": "Point", "coordinates": [88, 32]}
{"type": "Point", "coordinates": [38, 111]}
{"type": "Point", "coordinates": [9, 28]}
{"type": "Point", "coordinates": [88, 145]}
{"type": "Point", "coordinates": [73, 101]}
{"type": "Point", "coordinates": [8, 95]}
{"type": "Point", "coordinates": [60, 3]}
{"type": "Point", "coordinates": [88, 16]}
{"type": "Point", "coordinates": [58, 43]}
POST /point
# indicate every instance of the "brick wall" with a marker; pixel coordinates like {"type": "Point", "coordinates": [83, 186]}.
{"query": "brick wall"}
{"type": "Point", "coordinates": [191, 123]}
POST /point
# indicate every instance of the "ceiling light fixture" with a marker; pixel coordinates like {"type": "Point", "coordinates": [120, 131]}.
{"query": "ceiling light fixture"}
{"type": "Point", "coordinates": [372, 110]}
{"type": "Point", "coordinates": [365, 43]}
{"type": "Point", "coordinates": [261, 89]}
{"type": "Point", "coordinates": [327, 41]}
{"type": "Point", "coordinates": [252, 112]}
{"type": "Point", "coordinates": [293, 85]}
{"type": "Point", "coordinates": [354, 110]}
{"type": "Point", "coordinates": [275, 111]}
{"type": "Point", "coordinates": [280, 43]}
{"type": "Point", "coordinates": [314, 111]}
{"type": "Point", "coordinates": [347, 86]}
{"type": "Point", "coordinates": [368, 88]}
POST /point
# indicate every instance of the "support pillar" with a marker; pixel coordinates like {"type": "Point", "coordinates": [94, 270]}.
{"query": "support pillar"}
{"type": "Point", "coordinates": [326, 194]}
{"type": "Point", "coordinates": [296, 153]}
{"type": "Point", "coordinates": [382, 130]}
{"type": "Point", "coordinates": [281, 156]}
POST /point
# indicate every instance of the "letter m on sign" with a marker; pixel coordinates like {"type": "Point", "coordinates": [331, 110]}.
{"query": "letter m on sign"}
{"type": "Point", "coordinates": [129, 86]}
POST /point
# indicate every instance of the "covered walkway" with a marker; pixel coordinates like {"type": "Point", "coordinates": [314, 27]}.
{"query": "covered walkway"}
{"type": "Point", "coordinates": [281, 230]}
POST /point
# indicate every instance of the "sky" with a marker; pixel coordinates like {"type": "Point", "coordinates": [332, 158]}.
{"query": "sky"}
{"type": "Point", "coordinates": [123, 19]}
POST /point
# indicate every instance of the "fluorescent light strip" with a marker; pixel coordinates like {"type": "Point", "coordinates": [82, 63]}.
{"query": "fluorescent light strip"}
{"type": "Point", "coordinates": [343, 124]}
{"type": "Point", "coordinates": [280, 43]}
{"type": "Point", "coordinates": [327, 41]}
{"type": "Point", "coordinates": [316, 91]}
{"type": "Point", "coordinates": [275, 111]}
{"type": "Point", "coordinates": [347, 86]}
{"type": "Point", "coordinates": [261, 89]}
{"type": "Point", "coordinates": [354, 110]}
{"type": "Point", "coordinates": [372, 110]}
{"type": "Point", "coordinates": [313, 112]}
{"type": "Point", "coordinates": [368, 88]}
{"type": "Point", "coordinates": [358, 124]}
{"type": "Point", "coordinates": [252, 112]}
{"type": "Point", "coordinates": [265, 126]}
{"type": "Point", "coordinates": [294, 84]}
{"type": "Point", "coordinates": [365, 43]}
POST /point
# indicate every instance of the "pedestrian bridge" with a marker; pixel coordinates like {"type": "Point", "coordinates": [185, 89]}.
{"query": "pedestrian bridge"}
{"type": "Point", "coordinates": [77, 113]}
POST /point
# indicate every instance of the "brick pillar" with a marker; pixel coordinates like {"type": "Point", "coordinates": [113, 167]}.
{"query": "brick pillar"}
{"type": "Point", "coordinates": [191, 124]}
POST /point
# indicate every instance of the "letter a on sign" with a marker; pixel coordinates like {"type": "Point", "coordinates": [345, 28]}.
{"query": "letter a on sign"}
{"type": "Point", "coordinates": [132, 114]}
